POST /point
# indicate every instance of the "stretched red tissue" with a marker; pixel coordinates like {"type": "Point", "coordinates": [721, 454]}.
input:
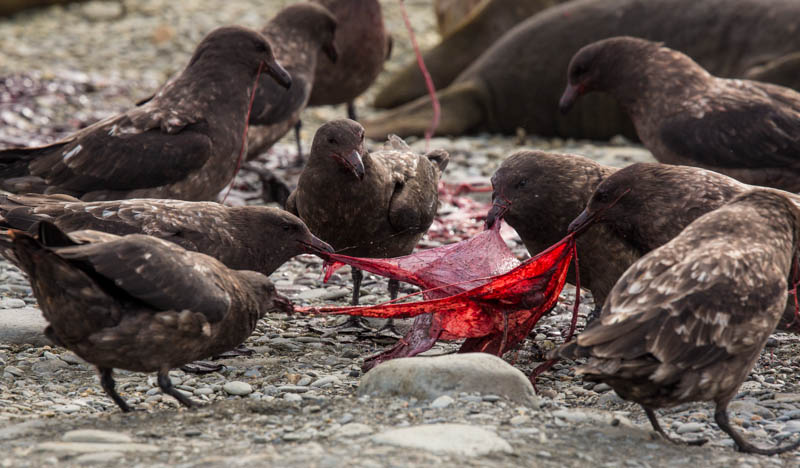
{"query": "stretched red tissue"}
{"type": "Point", "coordinates": [474, 289]}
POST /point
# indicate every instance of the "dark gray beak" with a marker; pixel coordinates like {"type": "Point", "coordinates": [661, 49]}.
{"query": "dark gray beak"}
{"type": "Point", "coordinates": [317, 246]}
{"type": "Point", "coordinates": [278, 73]}
{"type": "Point", "coordinates": [354, 162]}
{"type": "Point", "coordinates": [581, 223]}
{"type": "Point", "coordinates": [571, 94]}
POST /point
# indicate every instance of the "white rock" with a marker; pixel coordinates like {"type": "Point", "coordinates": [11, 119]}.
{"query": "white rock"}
{"type": "Point", "coordinates": [237, 388]}
{"type": "Point", "coordinates": [99, 457]}
{"type": "Point", "coordinates": [448, 439]}
{"type": "Point", "coordinates": [325, 381]}
{"type": "Point", "coordinates": [292, 397]}
{"type": "Point", "coordinates": [94, 435]}
{"type": "Point", "coordinates": [690, 427]}
{"type": "Point", "coordinates": [88, 447]}
{"type": "Point", "coordinates": [442, 402]}
{"type": "Point", "coordinates": [353, 430]}
{"type": "Point", "coordinates": [427, 378]}
{"type": "Point", "coordinates": [68, 409]}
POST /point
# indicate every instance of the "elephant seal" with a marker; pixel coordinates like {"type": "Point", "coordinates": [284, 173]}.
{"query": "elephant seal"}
{"type": "Point", "coordinates": [517, 82]}
{"type": "Point", "coordinates": [471, 36]}
{"type": "Point", "coordinates": [450, 13]}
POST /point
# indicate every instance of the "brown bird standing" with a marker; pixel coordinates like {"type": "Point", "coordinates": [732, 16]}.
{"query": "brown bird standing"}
{"type": "Point", "coordinates": [254, 238]}
{"type": "Point", "coordinates": [363, 45]}
{"type": "Point", "coordinates": [684, 115]}
{"type": "Point", "coordinates": [688, 321]}
{"type": "Point", "coordinates": [539, 193]}
{"type": "Point", "coordinates": [645, 205]}
{"type": "Point", "coordinates": [365, 204]}
{"type": "Point", "coordinates": [140, 303]}
{"type": "Point", "coordinates": [182, 143]}
{"type": "Point", "coordinates": [297, 34]}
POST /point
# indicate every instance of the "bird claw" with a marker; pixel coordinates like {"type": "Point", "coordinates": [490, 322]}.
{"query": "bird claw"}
{"type": "Point", "coordinates": [202, 367]}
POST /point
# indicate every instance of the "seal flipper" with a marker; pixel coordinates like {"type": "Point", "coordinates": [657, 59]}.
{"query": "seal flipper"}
{"type": "Point", "coordinates": [463, 109]}
{"type": "Point", "coordinates": [784, 71]}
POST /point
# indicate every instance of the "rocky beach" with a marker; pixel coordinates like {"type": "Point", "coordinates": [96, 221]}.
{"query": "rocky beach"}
{"type": "Point", "coordinates": [301, 399]}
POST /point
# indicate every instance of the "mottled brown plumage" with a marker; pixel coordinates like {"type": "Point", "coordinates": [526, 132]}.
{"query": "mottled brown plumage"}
{"type": "Point", "coordinates": [645, 205]}
{"type": "Point", "coordinates": [364, 204]}
{"type": "Point", "coordinates": [140, 303]}
{"type": "Point", "coordinates": [684, 115]}
{"type": "Point", "coordinates": [297, 34]}
{"type": "Point", "coordinates": [688, 321]}
{"type": "Point", "coordinates": [254, 238]}
{"type": "Point", "coordinates": [363, 45]}
{"type": "Point", "coordinates": [539, 193]}
{"type": "Point", "coordinates": [183, 143]}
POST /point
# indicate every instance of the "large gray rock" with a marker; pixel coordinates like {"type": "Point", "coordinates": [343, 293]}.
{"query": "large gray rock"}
{"type": "Point", "coordinates": [23, 326]}
{"type": "Point", "coordinates": [427, 378]}
{"type": "Point", "coordinates": [447, 439]}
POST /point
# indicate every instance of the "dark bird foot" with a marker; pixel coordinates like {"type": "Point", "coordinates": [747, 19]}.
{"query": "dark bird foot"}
{"type": "Point", "coordinates": [389, 328]}
{"type": "Point", "coordinates": [238, 351]}
{"type": "Point", "coordinates": [351, 111]}
{"type": "Point", "coordinates": [353, 325]}
{"type": "Point", "coordinates": [273, 188]}
{"type": "Point", "coordinates": [108, 384]}
{"type": "Point", "coordinates": [299, 161]}
{"type": "Point", "coordinates": [593, 315]}
{"type": "Point", "coordinates": [165, 384]}
{"type": "Point", "coordinates": [721, 416]}
{"type": "Point", "coordinates": [202, 367]}
{"type": "Point", "coordinates": [651, 415]}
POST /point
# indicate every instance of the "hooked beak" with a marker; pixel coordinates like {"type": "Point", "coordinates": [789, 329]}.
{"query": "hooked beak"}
{"type": "Point", "coordinates": [571, 94]}
{"type": "Point", "coordinates": [278, 73]}
{"type": "Point", "coordinates": [330, 50]}
{"type": "Point", "coordinates": [282, 304]}
{"type": "Point", "coordinates": [495, 214]}
{"type": "Point", "coordinates": [317, 247]}
{"type": "Point", "coordinates": [353, 162]}
{"type": "Point", "coordinates": [581, 223]}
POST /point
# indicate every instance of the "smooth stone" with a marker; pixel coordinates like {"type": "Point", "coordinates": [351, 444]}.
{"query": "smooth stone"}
{"type": "Point", "coordinates": [353, 430]}
{"type": "Point", "coordinates": [24, 325]}
{"type": "Point", "coordinates": [88, 447]}
{"type": "Point", "coordinates": [686, 428]}
{"type": "Point", "coordinates": [573, 416]}
{"type": "Point", "coordinates": [292, 389]}
{"type": "Point", "coordinates": [427, 378]}
{"type": "Point", "coordinates": [15, 371]}
{"type": "Point", "coordinates": [792, 426]}
{"type": "Point", "coordinates": [204, 391]}
{"type": "Point", "coordinates": [447, 439]}
{"type": "Point", "coordinates": [304, 382]}
{"type": "Point", "coordinates": [67, 409]}
{"type": "Point", "coordinates": [746, 406]}
{"type": "Point", "coordinates": [601, 387]}
{"type": "Point", "coordinates": [99, 457]}
{"type": "Point", "coordinates": [102, 11]}
{"type": "Point", "coordinates": [292, 397]}
{"type": "Point", "coordinates": [95, 435]}
{"type": "Point", "coordinates": [71, 358]}
{"type": "Point", "coordinates": [442, 402]}
{"type": "Point", "coordinates": [325, 381]}
{"type": "Point", "coordinates": [11, 303]}
{"type": "Point", "coordinates": [15, 431]}
{"type": "Point", "coordinates": [237, 388]}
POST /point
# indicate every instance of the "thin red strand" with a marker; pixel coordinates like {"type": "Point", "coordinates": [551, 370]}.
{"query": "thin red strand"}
{"type": "Point", "coordinates": [428, 80]}
{"type": "Point", "coordinates": [244, 135]}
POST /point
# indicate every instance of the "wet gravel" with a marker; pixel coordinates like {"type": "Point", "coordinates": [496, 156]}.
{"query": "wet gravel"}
{"type": "Point", "coordinates": [293, 402]}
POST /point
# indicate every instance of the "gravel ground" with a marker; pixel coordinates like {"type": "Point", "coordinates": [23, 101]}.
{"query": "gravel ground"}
{"type": "Point", "coordinates": [293, 402]}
